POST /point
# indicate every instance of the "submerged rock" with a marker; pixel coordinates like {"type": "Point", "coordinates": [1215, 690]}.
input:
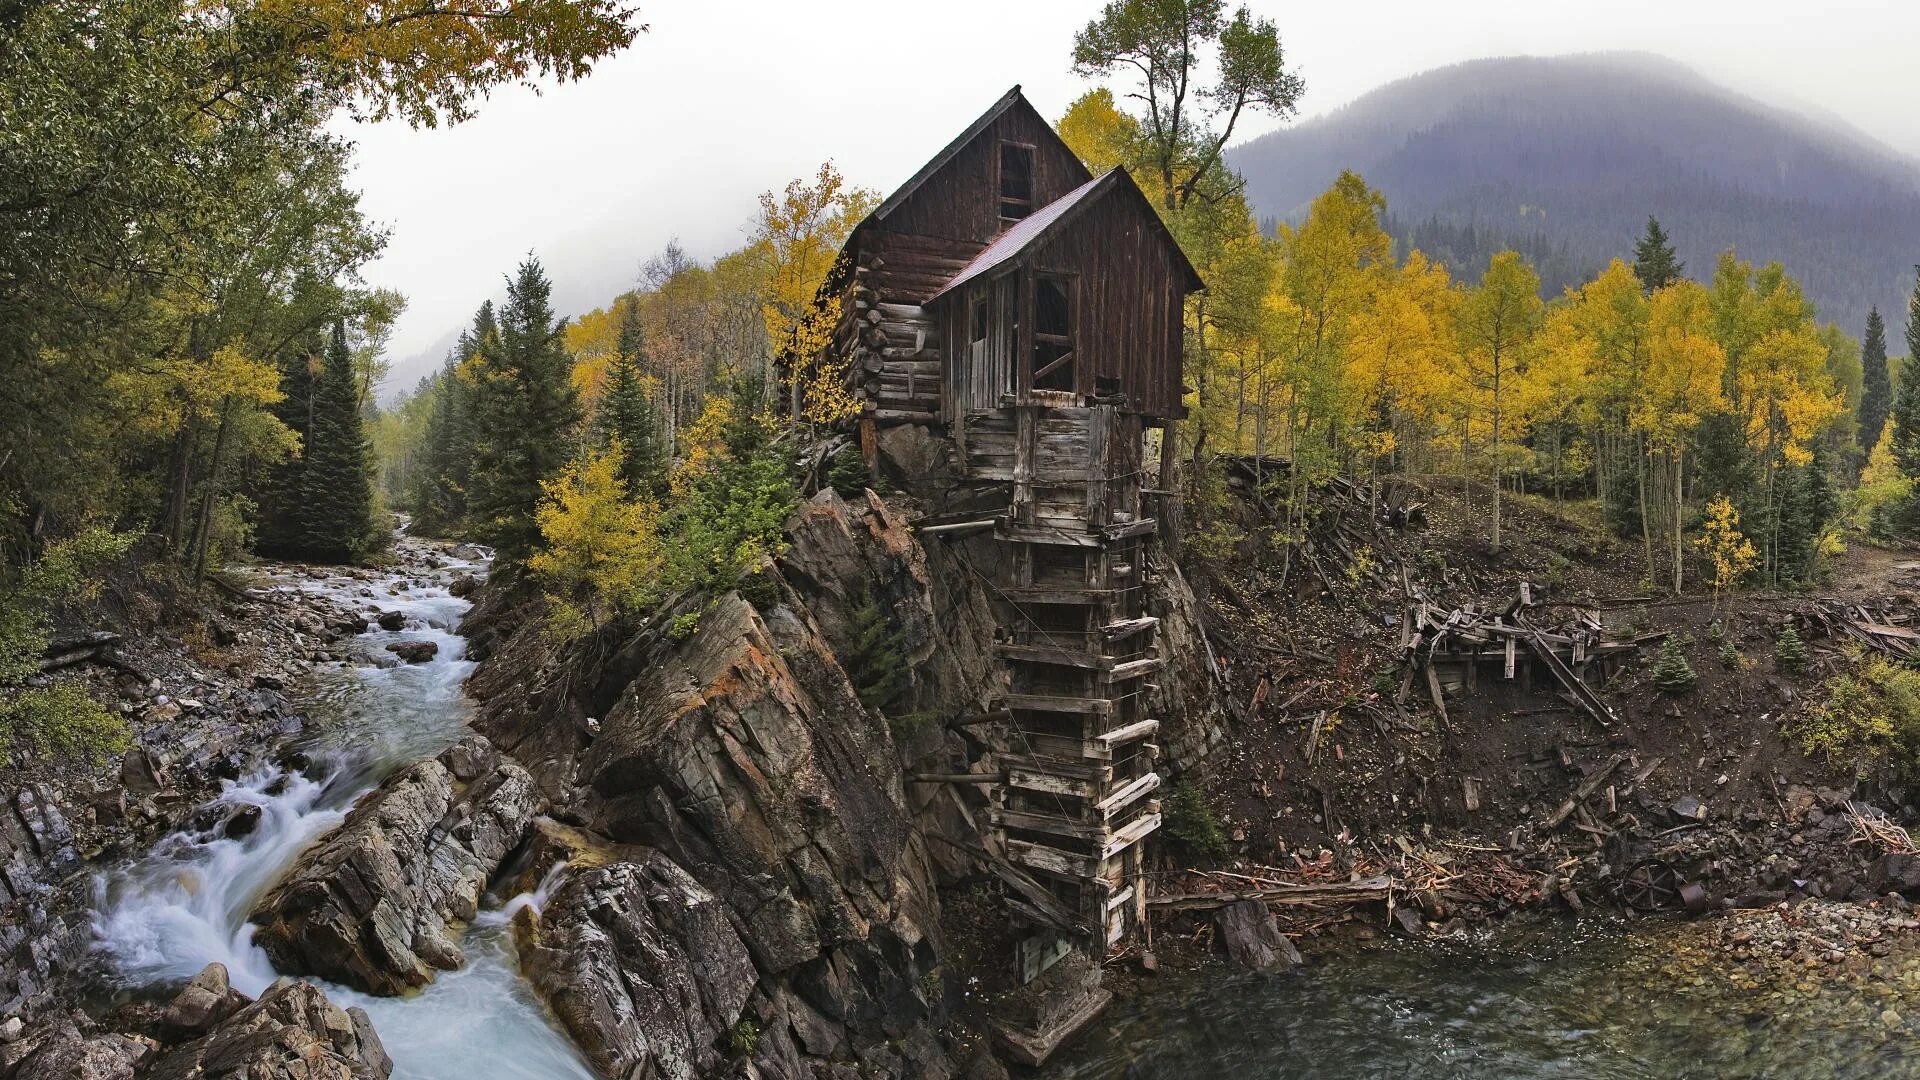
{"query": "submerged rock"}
{"type": "Point", "coordinates": [414, 652]}
{"type": "Point", "coordinates": [370, 906]}
{"type": "Point", "coordinates": [642, 965]}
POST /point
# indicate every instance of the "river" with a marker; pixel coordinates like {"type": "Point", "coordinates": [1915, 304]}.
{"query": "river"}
{"type": "Point", "coordinates": [166, 916]}
{"type": "Point", "coordinates": [1536, 997]}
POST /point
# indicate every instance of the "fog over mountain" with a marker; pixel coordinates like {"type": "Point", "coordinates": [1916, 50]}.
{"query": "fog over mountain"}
{"type": "Point", "coordinates": [1564, 158]}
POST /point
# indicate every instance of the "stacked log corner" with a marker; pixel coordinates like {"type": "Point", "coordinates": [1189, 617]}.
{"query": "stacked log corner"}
{"type": "Point", "coordinates": [894, 362]}
{"type": "Point", "coordinates": [1077, 801]}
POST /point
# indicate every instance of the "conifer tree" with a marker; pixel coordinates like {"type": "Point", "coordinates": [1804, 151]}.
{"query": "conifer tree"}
{"type": "Point", "coordinates": [1876, 386]}
{"type": "Point", "coordinates": [626, 416]}
{"type": "Point", "coordinates": [336, 487]}
{"type": "Point", "coordinates": [1906, 396]}
{"type": "Point", "coordinates": [1653, 259]}
{"type": "Point", "coordinates": [525, 410]}
{"type": "Point", "coordinates": [1671, 672]}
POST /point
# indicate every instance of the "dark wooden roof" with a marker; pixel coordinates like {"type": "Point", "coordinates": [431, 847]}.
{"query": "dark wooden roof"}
{"type": "Point", "coordinates": [1032, 231]}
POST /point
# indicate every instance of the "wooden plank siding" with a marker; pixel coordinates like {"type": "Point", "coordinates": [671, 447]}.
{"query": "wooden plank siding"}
{"type": "Point", "coordinates": [961, 201]}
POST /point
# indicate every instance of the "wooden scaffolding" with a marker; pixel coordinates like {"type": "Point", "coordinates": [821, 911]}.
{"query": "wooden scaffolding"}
{"type": "Point", "coordinates": [1077, 795]}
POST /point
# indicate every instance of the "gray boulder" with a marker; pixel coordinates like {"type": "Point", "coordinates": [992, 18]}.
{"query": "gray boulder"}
{"type": "Point", "coordinates": [1253, 939]}
{"type": "Point", "coordinates": [370, 905]}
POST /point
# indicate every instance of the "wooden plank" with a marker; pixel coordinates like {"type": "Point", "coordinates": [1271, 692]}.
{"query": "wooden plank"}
{"type": "Point", "coordinates": [1059, 594]}
{"type": "Point", "coordinates": [1136, 668]}
{"type": "Point", "coordinates": [1049, 784]}
{"type": "Point", "coordinates": [1060, 703]}
{"type": "Point", "coordinates": [1050, 859]}
{"type": "Point", "coordinates": [1135, 831]}
{"type": "Point", "coordinates": [1128, 627]}
{"type": "Point", "coordinates": [1054, 654]}
{"type": "Point", "coordinates": [1129, 794]}
{"type": "Point", "coordinates": [1133, 732]}
{"type": "Point", "coordinates": [1048, 823]}
{"type": "Point", "coordinates": [1143, 527]}
{"type": "Point", "coordinates": [1042, 534]}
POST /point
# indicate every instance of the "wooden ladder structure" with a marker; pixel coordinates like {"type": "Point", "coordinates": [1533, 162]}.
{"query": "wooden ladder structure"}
{"type": "Point", "coordinates": [1077, 797]}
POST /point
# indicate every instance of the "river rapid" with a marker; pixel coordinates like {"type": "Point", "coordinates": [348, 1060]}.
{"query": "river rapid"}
{"type": "Point", "coordinates": [185, 905]}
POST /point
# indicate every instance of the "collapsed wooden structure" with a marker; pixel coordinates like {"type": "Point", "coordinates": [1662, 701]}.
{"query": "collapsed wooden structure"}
{"type": "Point", "coordinates": [1449, 648]}
{"type": "Point", "coordinates": [1032, 313]}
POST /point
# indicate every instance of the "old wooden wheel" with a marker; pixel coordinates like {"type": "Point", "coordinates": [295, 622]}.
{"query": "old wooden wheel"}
{"type": "Point", "coordinates": [1652, 886]}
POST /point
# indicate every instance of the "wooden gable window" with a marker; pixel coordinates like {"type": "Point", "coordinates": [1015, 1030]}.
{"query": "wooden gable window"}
{"type": "Point", "coordinates": [1016, 181]}
{"type": "Point", "coordinates": [1052, 333]}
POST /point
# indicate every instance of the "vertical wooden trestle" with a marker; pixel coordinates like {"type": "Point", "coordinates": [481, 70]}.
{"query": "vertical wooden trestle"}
{"type": "Point", "coordinates": [1078, 799]}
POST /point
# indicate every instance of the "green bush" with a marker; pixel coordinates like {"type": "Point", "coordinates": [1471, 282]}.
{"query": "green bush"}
{"type": "Point", "coordinates": [684, 626]}
{"type": "Point", "coordinates": [1190, 823]}
{"type": "Point", "coordinates": [1671, 672]}
{"type": "Point", "coordinates": [744, 1039]}
{"type": "Point", "coordinates": [62, 718]}
{"type": "Point", "coordinates": [1870, 721]}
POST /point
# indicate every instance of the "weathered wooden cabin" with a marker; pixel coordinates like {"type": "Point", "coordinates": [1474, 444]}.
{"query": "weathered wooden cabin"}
{"type": "Point", "coordinates": [1031, 312]}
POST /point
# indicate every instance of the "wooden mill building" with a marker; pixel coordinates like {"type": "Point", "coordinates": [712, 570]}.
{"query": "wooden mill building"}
{"type": "Point", "coordinates": [1032, 312]}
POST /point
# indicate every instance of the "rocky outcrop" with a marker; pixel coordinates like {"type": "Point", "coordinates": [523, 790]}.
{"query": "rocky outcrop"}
{"type": "Point", "coordinates": [291, 1033]}
{"type": "Point", "coordinates": [371, 905]}
{"type": "Point", "coordinates": [210, 1032]}
{"type": "Point", "coordinates": [1252, 938]}
{"type": "Point", "coordinates": [643, 967]}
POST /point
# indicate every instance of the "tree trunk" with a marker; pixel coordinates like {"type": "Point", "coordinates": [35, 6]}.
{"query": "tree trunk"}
{"type": "Point", "coordinates": [202, 534]}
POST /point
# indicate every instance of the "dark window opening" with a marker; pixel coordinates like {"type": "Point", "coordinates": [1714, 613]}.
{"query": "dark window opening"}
{"type": "Point", "coordinates": [1016, 181]}
{"type": "Point", "coordinates": [1052, 333]}
{"type": "Point", "coordinates": [977, 320]}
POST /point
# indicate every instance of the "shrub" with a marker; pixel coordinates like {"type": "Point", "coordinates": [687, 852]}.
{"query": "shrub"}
{"type": "Point", "coordinates": [1671, 672]}
{"type": "Point", "coordinates": [744, 1039]}
{"type": "Point", "coordinates": [1732, 658]}
{"type": "Point", "coordinates": [1190, 823]}
{"type": "Point", "coordinates": [1870, 720]}
{"type": "Point", "coordinates": [1789, 652]}
{"type": "Point", "coordinates": [684, 626]}
{"type": "Point", "coordinates": [61, 718]}
{"type": "Point", "coordinates": [731, 496]}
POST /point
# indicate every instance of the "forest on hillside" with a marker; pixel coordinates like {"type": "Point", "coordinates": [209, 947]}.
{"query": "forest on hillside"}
{"type": "Point", "coordinates": [1565, 157]}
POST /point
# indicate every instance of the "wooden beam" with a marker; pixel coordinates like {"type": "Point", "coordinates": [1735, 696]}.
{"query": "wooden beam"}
{"type": "Point", "coordinates": [1135, 831]}
{"type": "Point", "coordinates": [1129, 794]}
{"type": "Point", "coordinates": [1131, 733]}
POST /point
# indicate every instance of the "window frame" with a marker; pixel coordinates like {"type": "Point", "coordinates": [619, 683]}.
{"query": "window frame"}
{"type": "Point", "coordinates": [1002, 201]}
{"type": "Point", "coordinates": [1069, 358]}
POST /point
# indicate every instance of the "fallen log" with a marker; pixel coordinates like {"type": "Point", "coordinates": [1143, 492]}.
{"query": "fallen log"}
{"type": "Point", "coordinates": [1366, 890]}
{"type": "Point", "coordinates": [67, 652]}
{"type": "Point", "coordinates": [1585, 790]}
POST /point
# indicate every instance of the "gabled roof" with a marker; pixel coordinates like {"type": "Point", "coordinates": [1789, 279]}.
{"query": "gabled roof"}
{"type": "Point", "coordinates": [1034, 229]}
{"type": "Point", "coordinates": [939, 161]}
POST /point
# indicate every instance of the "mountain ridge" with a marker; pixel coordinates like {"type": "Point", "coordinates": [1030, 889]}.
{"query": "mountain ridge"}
{"type": "Point", "coordinates": [1565, 157]}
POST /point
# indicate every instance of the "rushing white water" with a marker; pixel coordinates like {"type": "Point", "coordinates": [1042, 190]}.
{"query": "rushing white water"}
{"type": "Point", "coordinates": [163, 918]}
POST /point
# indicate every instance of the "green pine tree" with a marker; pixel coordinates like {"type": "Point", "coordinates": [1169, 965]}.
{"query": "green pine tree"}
{"type": "Point", "coordinates": [336, 487]}
{"type": "Point", "coordinates": [1876, 385]}
{"type": "Point", "coordinates": [873, 659]}
{"type": "Point", "coordinates": [1653, 258]}
{"type": "Point", "coordinates": [1671, 672]}
{"type": "Point", "coordinates": [280, 525]}
{"type": "Point", "coordinates": [1807, 505]}
{"type": "Point", "coordinates": [1789, 652]}
{"type": "Point", "coordinates": [1905, 417]}
{"type": "Point", "coordinates": [626, 411]}
{"type": "Point", "coordinates": [525, 411]}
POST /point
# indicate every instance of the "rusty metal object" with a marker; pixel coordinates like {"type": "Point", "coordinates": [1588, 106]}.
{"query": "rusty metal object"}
{"type": "Point", "coordinates": [1652, 885]}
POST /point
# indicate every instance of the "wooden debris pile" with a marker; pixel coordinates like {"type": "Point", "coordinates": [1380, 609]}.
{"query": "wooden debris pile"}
{"type": "Point", "coordinates": [1878, 831]}
{"type": "Point", "coordinates": [1880, 626]}
{"type": "Point", "coordinates": [1452, 646]}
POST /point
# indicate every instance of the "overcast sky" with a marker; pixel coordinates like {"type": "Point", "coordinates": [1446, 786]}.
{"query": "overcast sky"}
{"type": "Point", "coordinates": [723, 99]}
